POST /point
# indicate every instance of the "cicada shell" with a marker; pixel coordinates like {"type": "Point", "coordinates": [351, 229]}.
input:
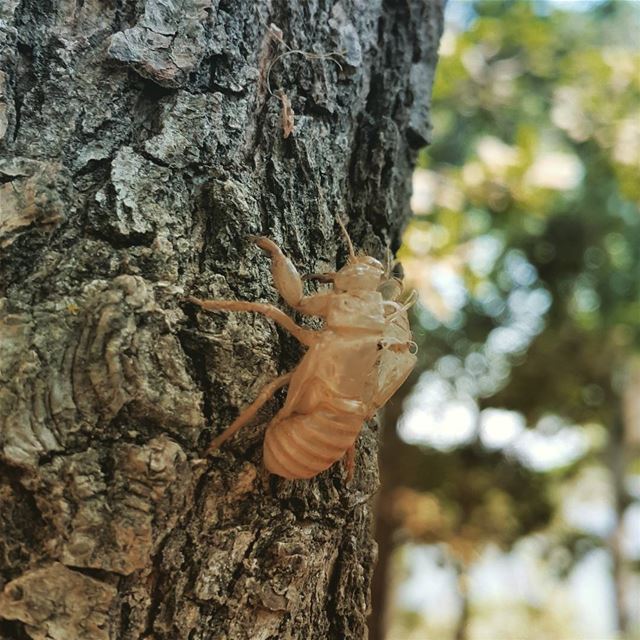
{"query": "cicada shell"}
{"type": "Point", "coordinates": [352, 366]}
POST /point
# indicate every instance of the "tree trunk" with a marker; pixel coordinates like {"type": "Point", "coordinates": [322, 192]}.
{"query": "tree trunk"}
{"type": "Point", "coordinates": [462, 626]}
{"type": "Point", "coordinates": [385, 521]}
{"type": "Point", "coordinates": [141, 145]}
{"type": "Point", "coordinates": [618, 457]}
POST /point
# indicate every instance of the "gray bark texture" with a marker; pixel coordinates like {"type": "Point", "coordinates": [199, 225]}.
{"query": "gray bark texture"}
{"type": "Point", "coordinates": [140, 146]}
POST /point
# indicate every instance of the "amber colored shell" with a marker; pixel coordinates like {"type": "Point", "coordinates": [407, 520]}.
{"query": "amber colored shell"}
{"type": "Point", "coordinates": [304, 445]}
{"type": "Point", "coordinates": [353, 365]}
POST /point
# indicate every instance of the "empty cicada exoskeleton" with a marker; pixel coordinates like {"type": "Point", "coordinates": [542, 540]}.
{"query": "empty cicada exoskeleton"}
{"type": "Point", "coordinates": [352, 366]}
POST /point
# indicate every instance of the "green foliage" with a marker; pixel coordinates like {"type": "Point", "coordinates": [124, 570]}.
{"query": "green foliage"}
{"type": "Point", "coordinates": [537, 144]}
{"type": "Point", "coordinates": [527, 201]}
{"type": "Point", "coordinates": [469, 497]}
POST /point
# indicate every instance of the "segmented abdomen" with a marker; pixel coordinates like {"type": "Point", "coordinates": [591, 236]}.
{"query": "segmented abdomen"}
{"type": "Point", "coordinates": [303, 445]}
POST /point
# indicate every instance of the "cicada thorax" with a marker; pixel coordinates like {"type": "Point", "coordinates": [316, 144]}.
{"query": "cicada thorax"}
{"type": "Point", "coordinates": [361, 312]}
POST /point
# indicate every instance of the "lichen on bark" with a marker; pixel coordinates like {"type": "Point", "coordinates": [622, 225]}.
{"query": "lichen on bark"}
{"type": "Point", "coordinates": [139, 147]}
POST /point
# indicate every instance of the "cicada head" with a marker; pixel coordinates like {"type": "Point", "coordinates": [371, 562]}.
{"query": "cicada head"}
{"type": "Point", "coordinates": [361, 273]}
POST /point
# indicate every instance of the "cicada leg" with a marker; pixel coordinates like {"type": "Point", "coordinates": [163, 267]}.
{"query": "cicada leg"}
{"type": "Point", "coordinates": [289, 283]}
{"type": "Point", "coordinates": [306, 336]}
{"type": "Point", "coordinates": [249, 413]}
{"type": "Point", "coordinates": [285, 275]}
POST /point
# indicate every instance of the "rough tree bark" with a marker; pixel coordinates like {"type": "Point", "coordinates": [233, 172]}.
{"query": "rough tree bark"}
{"type": "Point", "coordinates": [140, 146]}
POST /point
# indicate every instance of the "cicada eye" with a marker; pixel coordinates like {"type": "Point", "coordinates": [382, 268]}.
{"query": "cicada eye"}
{"type": "Point", "coordinates": [390, 289]}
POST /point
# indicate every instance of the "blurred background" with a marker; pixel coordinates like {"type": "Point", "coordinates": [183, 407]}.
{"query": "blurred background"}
{"type": "Point", "coordinates": [510, 501]}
